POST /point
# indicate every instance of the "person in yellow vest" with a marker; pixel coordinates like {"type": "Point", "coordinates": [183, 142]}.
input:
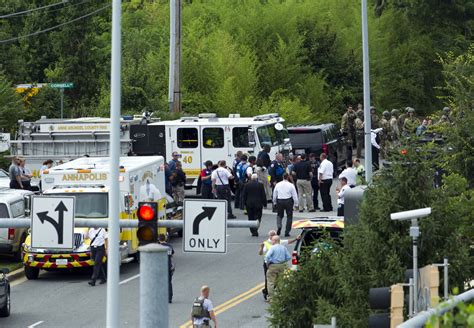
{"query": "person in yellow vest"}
{"type": "Point", "coordinates": [263, 249]}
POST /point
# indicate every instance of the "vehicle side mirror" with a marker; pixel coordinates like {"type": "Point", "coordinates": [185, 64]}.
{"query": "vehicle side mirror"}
{"type": "Point", "coordinates": [5, 270]}
{"type": "Point", "coordinates": [27, 201]}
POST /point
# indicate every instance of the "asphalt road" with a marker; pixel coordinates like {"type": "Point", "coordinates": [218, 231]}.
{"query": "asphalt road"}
{"type": "Point", "coordinates": [63, 299]}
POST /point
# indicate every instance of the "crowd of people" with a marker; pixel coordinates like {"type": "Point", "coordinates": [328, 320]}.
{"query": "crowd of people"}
{"type": "Point", "coordinates": [386, 131]}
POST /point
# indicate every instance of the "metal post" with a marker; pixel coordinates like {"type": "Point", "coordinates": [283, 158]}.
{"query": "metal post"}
{"type": "Point", "coordinates": [177, 69]}
{"type": "Point", "coordinates": [153, 286]}
{"type": "Point", "coordinates": [446, 283]}
{"type": "Point", "coordinates": [410, 298]}
{"type": "Point", "coordinates": [333, 322]}
{"type": "Point", "coordinates": [414, 232]}
{"type": "Point", "coordinates": [62, 102]}
{"type": "Point", "coordinates": [367, 121]}
{"type": "Point", "coordinates": [172, 54]}
{"type": "Point", "coordinates": [114, 200]}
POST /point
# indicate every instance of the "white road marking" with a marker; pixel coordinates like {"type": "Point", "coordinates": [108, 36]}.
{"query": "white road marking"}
{"type": "Point", "coordinates": [18, 281]}
{"type": "Point", "coordinates": [36, 324]}
{"type": "Point", "coordinates": [129, 279]}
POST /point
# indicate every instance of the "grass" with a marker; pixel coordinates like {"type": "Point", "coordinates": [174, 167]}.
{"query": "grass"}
{"type": "Point", "coordinates": [8, 262]}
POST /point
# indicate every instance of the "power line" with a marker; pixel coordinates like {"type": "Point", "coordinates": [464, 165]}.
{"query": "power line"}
{"type": "Point", "coordinates": [35, 9]}
{"type": "Point", "coordinates": [29, 13]}
{"type": "Point", "coordinates": [54, 27]}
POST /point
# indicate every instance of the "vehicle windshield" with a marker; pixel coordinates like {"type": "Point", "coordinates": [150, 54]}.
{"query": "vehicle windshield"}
{"type": "Point", "coordinates": [269, 135]}
{"type": "Point", "coordinates": [3, 174]}
{"type": "Point", "coordinates": [90, 205]}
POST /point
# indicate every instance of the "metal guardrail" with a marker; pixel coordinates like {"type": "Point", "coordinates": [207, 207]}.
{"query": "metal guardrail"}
{"type": "Point", "coordinates": [104, 223]}
{"type": "Point", "coordinates": [421, 319]}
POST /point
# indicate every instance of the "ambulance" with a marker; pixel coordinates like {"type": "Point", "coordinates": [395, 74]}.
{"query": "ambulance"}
{"type": "Point", "coordinates": [87, 179]}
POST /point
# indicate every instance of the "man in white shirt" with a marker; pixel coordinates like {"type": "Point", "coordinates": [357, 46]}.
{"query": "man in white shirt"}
{"type": "Point", "coordinates": [203, 311]}
{"type": "Point", "coordinates": [285, 198]}
{"type": "Point", "coordinates": [375, 147]}
{"type": "Point", "coordinates": [325, 172]}
{"type": "Point", "coordinates": [220, 186]}
{"type": "Point", "coordinates": [98, 245]}
{"type": "Point", "coordinates": [340, 196]}
{"type": "Point", "coordinates": [350, 174]}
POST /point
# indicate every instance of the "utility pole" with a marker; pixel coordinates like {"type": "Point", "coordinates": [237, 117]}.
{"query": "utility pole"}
{"type": "Point", "coordinates": [367, 118]}
{"type": "Point", "coordinates": [113, 262]}
{"type": "Point", "coordinates": [174, 87]}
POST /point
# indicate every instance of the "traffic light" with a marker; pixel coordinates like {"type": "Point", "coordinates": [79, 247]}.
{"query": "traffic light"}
{"type": "Point", "coordinates": [147, 213]}
{"type": "Point", "coordinates": [389, 299]}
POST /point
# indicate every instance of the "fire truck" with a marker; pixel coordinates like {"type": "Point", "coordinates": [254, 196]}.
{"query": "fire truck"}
{"type": "Point", "coordinates": [196, 138]}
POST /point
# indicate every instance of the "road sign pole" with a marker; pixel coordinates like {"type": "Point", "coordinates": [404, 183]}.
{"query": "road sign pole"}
{"type": "Point", "coordinates": [366, 71]}
{"type": "Point", "coordinates": [62, 103]}
{"type": "Point", "coordinates": [153, 286]}
{"type": "Point", "coordinates": [114, 225]}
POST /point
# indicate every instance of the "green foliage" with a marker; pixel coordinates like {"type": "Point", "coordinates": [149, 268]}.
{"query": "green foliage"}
{"type": "Point", "coordinates": [461, 316]}
{"type": "Point", "coordinates": [10, 105]}
{"type": "Point", "coordinates": [240, 56]}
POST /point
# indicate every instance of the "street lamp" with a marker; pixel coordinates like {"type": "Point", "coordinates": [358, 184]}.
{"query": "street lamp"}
{"type": "Point", "coordinates": [413, 215]}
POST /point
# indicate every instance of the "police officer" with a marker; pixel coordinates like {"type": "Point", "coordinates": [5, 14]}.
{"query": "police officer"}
{"type": "Point", "coordinates": [401, 119]}
{"type": "Point", "coordinates": [98, 244]}
{"type": "Point", "coordinates": [203, 310]}
{"type": "Point", "coordinates": [445, 119]}
{"type": "Point", "coordinates": [374, 119]}
{"type": "Point", "coordinates": [385, 133]}
{"type": "Point", "coordinates": [394, 128]}
{"type": "Point", "coordinates": [348, 126]}
{"type": "Point", "coordinates": [359, 125]}
{"type": "Point", "coordinates": [411, 122]}
{"type": "Point", "coordinates": [241, 179]}
{"type": "Point", "coordinates": [170, 251]}
{"type": "Point", "coordinates": [206, 181]}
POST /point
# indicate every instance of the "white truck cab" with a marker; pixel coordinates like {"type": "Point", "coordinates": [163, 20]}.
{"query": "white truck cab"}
{"type": "Point", "coordinates": [13, 203]}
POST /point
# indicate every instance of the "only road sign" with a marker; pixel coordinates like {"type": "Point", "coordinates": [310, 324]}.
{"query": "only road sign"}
{"type": "Point", "coordinates": [65, 85]}
{"type": "Point", "coordinates": [205, 226]}
{"type": "Point", "coordinates": [52, 222]}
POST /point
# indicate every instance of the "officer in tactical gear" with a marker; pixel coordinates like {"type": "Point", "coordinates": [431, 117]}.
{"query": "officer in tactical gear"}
{"type": "Point", "coordinates": [374, 119]}
{"type": "Point", "coordinates": [203, 311]}
{"type": "Point", "coordinates": [385, 133]}
{"type": "Point", "coordinates": [411, 123]}
{"type": "Point", "coordinates": [394, 128]}
{"type": "Point", "coordinates": [359, 125]}
{"type": "Point", "coordinates": [401, 119]}
{"type": "Point", "coordinates": [445, 118]}
{"type": "Point", "coordinates": [360, 109]}
{"type": "Point", "coordinates": [348, 125]}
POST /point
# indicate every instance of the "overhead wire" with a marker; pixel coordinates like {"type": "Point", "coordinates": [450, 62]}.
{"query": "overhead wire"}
{"type": "Point", "coordinates": [35, 9]}
{"type": "Point", "coordinates": [54, 27]}
{"type": "Point", "coordinates": [29, 13]}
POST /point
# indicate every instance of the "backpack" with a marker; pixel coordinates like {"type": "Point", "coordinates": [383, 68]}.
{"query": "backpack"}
{"type": "Point", "coordinates": [198, 309]}
{"type": "Point", "coordinates": [242, 171]}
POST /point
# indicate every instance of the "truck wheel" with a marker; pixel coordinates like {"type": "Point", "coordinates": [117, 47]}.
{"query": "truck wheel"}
{"type": "Point", "coordinates": [137, 257]}
{"type": "Point", "coordinates": [5, 310]}
{"type": "Point", "coordinates": [31, 273]}
{"type": "Point", "coordinates": [180, 233]}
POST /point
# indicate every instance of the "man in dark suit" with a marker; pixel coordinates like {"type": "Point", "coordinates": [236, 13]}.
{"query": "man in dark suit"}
{"type": "Point", "coordinates": [255, 199]}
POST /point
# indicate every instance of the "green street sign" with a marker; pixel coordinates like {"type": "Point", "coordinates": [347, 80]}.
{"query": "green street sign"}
{"type": "Point", "coordinates": [65, 85]}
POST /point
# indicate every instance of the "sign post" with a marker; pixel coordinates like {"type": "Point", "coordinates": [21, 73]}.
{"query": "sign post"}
{"type": "Point", "coordinates": [52, 222]}
{"type": "Point", "coordinates": [205, 226]}
{"type": "Point", "coordinates": [61, 87]}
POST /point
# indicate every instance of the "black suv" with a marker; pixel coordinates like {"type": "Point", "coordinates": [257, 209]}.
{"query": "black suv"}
{"type": "Point", "coordinates": [321, 138]}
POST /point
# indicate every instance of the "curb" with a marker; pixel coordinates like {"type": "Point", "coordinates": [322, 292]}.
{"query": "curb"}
{"type": "Point", "coordinates": [15, 275]}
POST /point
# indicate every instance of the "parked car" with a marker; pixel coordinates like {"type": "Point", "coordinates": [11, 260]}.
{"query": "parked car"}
{"type": "Point", "coordinates": [4, 293]}
{"type": "Point", "coordinates": [12, 205]}
{"type": "Point", "coordinates": [312, 230]}
{"type": "Point", "coordinates": [320, 138]}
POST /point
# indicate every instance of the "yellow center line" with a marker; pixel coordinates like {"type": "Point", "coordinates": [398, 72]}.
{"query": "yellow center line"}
{"type": "Point", "coordinates": [231, 303]}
